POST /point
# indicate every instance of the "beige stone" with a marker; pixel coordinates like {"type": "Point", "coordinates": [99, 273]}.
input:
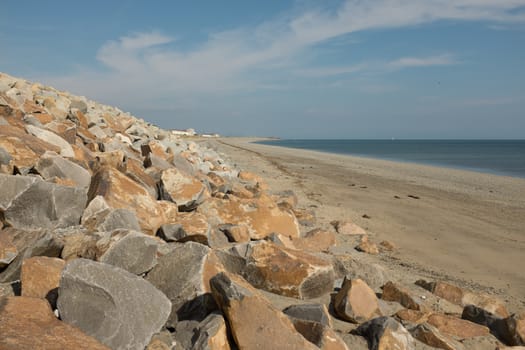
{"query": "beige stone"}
{"type": "Point", "coordinates": [431, 336]}
{"type": "Point", "coordinates": [348, 228]}
{"type": "Point", "coordinates": [356, 301]}
{"type": "Point", "coordinates": [29, 323]}
{"type": "Point", "coordinates": [187, 191]}
{"type": "Point", "coordinates": [316, 240]}
{"type": "Point", "coordinates": [457, 327]}
{"type": "Point", "coordinates": [40, 277]}
{"type": "Point", "coordinates": [394, 292]}
{"type": "Point", "coordinates": [366, 246]}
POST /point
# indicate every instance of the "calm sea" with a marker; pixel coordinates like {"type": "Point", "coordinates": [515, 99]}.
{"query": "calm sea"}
{"type": "Point", "coordinates": [503, 157]}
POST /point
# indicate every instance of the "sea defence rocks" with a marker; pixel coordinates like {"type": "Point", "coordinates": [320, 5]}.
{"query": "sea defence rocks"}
{"type": "Point", "coordinates": [119, 309]}
{"type": "Point", "coordinates": [115, 233]}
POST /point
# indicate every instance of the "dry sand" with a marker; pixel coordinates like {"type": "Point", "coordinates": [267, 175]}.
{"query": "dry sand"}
{"type": "Point", "coordinates": [465, 227]}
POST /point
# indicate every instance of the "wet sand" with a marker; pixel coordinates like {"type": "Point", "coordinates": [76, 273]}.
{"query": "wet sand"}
{"type": "Point", "coordinates": [462, 226]}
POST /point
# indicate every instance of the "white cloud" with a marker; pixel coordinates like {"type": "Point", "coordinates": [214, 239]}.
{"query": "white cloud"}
{"type": "Point", "coordinates": [143, 69]}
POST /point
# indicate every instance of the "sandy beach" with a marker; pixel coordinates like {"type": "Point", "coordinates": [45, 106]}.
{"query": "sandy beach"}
{"type": "Point", "coordinates": [465, 227]}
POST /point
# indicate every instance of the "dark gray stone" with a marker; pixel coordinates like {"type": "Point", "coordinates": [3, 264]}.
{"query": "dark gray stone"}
{"type": "Point", "coordinates": [52, 165]}
{"type": "Point", "coordinates": [135, 253]}
{"type": "Point", "coordinates": [180, 275]}
{"type": "Point", "coordinates": [121, 310]}
{"type": "Point", "coordinates": [42, 244]}
{"type": "Point", "coordinates": [309, 312]}
{"type": "Point", "coordinates": [116, 219]}
{"type": "Point", "coordinates": [374, 330]}
{"type": "Point", "coordinates": [5, 157]}
{"type": "Point", "coordinates": [171, 232]}
{"type": "Point", "coordinates": [30, 203]}
{"type": "Point", "coordinates": [505, 329]}
{"type": "Point", "coordinates": [185, 332]}
{"type": "Point", "coordinates": [209, 327]}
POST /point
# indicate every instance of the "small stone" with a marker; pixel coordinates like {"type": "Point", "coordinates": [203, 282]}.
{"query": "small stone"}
{"type": "Point", "coordinates": [347, 228]}
{"type": "Point", "coordinates": [8, 251]}
{"type": "Point", "coordinates": [366, 246]}
{"type": "Point", "coordinates": [387, 246]}
{"type": "Point", "coordinates": [116, 307]}
{"type": "Point", "coordinates": [29, 323]}
{"type": "Point", "coordinates": [356, 302]}
{"type": "Point", "coordinates": [40, 277]}
{"type": "Point", "coordinates": [431, 336]}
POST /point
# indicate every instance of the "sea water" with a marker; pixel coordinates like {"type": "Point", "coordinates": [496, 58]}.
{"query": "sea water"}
{"type": "Point", "coordinates": [502, 157]}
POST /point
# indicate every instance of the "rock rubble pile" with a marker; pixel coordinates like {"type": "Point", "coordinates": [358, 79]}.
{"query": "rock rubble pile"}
{"type": "Point", "coordinates": [117, 234]}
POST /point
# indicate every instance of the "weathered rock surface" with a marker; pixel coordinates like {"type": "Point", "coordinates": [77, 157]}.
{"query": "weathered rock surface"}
{"type": "Point", "coordinates": [431, 336]}
{"type": "Point", "coordinates": [316, 240]}
{"type": "Point", "coordinates": [40, 277]}
{"type": "Point", "coordinates": [212, 334]}
{"type": "Point", "coordinates": [356, 302]}
{"type": "Point", "coordinates": [397, 293]}
{"type": "Point", "coordinates": [457, 327]}
{"type": "Point", "coordinates": [184, 275]}
{"type": "Point", "coordinates": [30, 203]}
{"type": "Point", "coordinates": [367, 246]}
{"type": "Point", "coordinates": [135, 253]}
{"type": "Point", "coordinates": [385, 333]}
{"type": "Point", "coordinates": [114, 306]}
{"type": "Point", "coordinates": [317, 313]}
{"type": "Point", "coordinates": [29, 323]}
{"type": "Point", "coordinates": [269, 328]}
{"type": "Point", "coordinates": [50, 137]}
{"type": "Point", "coordinates": [181, 188]}
{"type": "Point", "coordinates": [288, 272]}
{"type": "Point", "coordinates": [261, 215]}
{"type": "Point", "coordinates": [348, 228]}
{"type": "Point", "coordinates": [50, 166]}
{"type": "Point", "coordinates": [8, 251]}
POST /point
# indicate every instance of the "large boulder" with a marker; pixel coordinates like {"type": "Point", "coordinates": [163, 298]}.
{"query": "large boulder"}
{"type": "Point", "coordinates": [51, 166]}
{"type": "Point", "coordinates": [395, 292]}
{"type": "Point", "coordinates": [261, 215]}
{"type": "Point", "coordinates": [99, 216]}
{"type": "Point", "coordinates": [50, 137]}
{"type": "Point", "coordinates": [185, 190]}
{"type": "Point", "coordinates": [119, 191]}
{"type": "Point", "coordinates": [114, 306]}
{"type": "Point", "coordinates": [431, 336]}
{"type": "Point", "coordinates": [184, 275]}
{"type": "Point", "coordinates": [28, 202]}
{"type": "Point", "coordinates": [29, 323]}
{"type": "Point", "coordinates": [254, 322]}
{"type": "Point", "coordinates": [288, 272]}
{"type": "Point", "coordinates": [356, 302]}
{"type": "Point", "coordinates": [40, 277]}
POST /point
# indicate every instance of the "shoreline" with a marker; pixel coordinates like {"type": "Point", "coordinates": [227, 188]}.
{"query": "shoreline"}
{"type": "Point", "coordinates": [464, 226]}
{"type": "Point", "coordinates": [397, 160]}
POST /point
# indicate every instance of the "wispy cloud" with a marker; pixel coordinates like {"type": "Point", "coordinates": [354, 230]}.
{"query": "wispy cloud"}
{"type": "Point", "coordinates": [149, 68]}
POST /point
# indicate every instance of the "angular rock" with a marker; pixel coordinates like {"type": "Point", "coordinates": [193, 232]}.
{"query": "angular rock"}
{"type": "Point", "coordinates": [366, 246]}
{"type": "Point", "coordinates": [412, 316]}
{"type": "Point", "coordinates": [373, 274]}
{"type": "Point", "coordinates": [51, 165]}
{"type": "Point", "coordinates": [40, 277]}
{"type": "Point", "coordinates": [235, 233]}
{"type": "Point", "coordinates": [457, 327]}
{"type": "Point", "coordinates": [385, 333]}
{"type": "Point", "coordinates": [41, 244]}
{"type": "Point", "coordinates": [317, 313]}
{"type": "Point", "coordinates": [99, 216]}
{"type": "Point", "coordinates": [8, 251]}
{"type": "Point", "coordinates": [239, 303]}
{"type": "Point", "coordinates": [356, 302]}
{"type": "Point", "coordinates": [181, 188]}
{"type": "Point", "coordinates": [120, 192]}
{"type": "Point", "coordinates": [505, 329]}
{"type": "Point", "coordinates": [30, 203]}
{"type": "Point", "coordinates": [29, 323]}
{"type": "Point", "coordinates": [486, 302]}
{"type": "Point", "coordinates": [184, 275]}
{"type": "Point", "coordinates": [316, 241]}
{"type": "Point", "coordinates": [80, 245]}
{"type": "Point", "coordinates": [288, 272]}
{"type": "Point", "coordinates": [261, 215]}
{"type": "Point", "coordinates": [114, 306]}
{"type": "Point", "coordinates": [212, 334]}
{"type": "Point", "coordinates": [50, 137]}
{"type": "Point", "coordinates": [347, 228]}
{"type": "Point", "coordinates": [431, 336]}
{"type": "Point", "coordinates": [135, 253]}
{"type": "Point", "coordinates": [193, 227]}
{"type": "Point", "coordinates": [394, 292]}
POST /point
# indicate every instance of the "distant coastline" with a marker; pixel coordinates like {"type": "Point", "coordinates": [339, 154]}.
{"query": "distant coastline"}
{"type": "Point", "coordinates": [497, 157]}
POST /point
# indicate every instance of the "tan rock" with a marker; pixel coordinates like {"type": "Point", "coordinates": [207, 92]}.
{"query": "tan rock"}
{"type": "Point", "coordinates": [261, 215]}
{"type": "Point", "coordinates": [254, 322]}
{"type": "Point", "coordinates": [385, 333]}
{"type": "Point", "coordinates": [431, 336]}
{"type": "Point", "coordinates": [65, 129]}
{"type": "Point", "coordinates": [316, 240]}
{"type": "Point", "coordinates": [119, 191]}
{"type": "Point", "coordinates": [29, 323]}
{"type": "Point", "coordinates": [394, 292]}
{"type": "Point", "coordinates": [366, 246]}
{"type": "Point", "coordinates": [457, 327]}
{"type": "Point", "coordinates": [236, 233]}
{"type": "Point", "coordinates": [387, 246]}
{"type": "Point", "coordinates": [520, 326]}
{"type": "Point", "coordinates": [40, 277]}
{"type": "Point", "coordinates": [413, 316]}
{"type": "Point", "coordinates": [486, 302]}
{"type": "Point", "coordinates": [356, 301]}
{"type": "Point", "coordinates": [212, 334]}
{"type": "Point", "coordinates": [187, 191]}
{"type": "Point", "coordinates": [8, 251]}
{"type": "Point", "coordinates": [348, 228]}
{"type": "Point", "coordinates": [195, 227]}
{"type": "Point", "coordinates": [288, 272]}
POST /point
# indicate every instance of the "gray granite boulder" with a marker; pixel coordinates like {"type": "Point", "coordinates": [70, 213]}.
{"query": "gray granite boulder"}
{"type": "Point", "coordinates": [30, 203]}
{"type": "Point", "coordinates": [51, 165]}
{"type": "Point", "coordinates": [121, 310]}
{"type": "Point", "coordinates": [136, 253]}
{"type": "Point", "coordinates": [50, 137]}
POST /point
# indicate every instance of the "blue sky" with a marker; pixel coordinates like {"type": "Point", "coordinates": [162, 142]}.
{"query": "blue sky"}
{"type": "Point", "coordinates": [295, 69]}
